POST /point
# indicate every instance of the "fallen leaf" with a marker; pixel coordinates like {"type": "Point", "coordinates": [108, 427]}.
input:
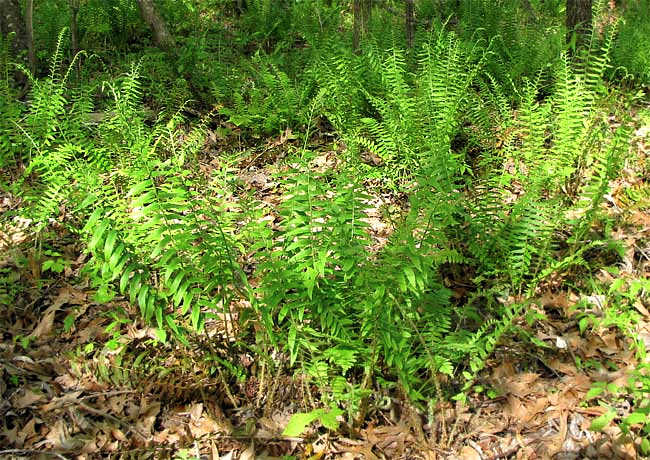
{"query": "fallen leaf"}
{"type": "Point", "coordinates": [66, 399]}
{"type": "Point", "coordinates": [66, 295]}
{"type": "Point", "coordinates": [248, 454]}
{"type": "Point", "coordinates": [469, 453]}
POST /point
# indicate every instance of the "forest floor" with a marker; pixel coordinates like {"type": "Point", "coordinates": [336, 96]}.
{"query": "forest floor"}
{"type": "Point", "coordinates": [81, 379]}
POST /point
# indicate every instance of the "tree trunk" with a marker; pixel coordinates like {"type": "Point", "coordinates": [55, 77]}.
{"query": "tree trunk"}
{"type": "Point", "coordinates": [163, 39]}
{"type": "Point", "coordinates": [362, 10]}
{"type": "Point", "coordinates": [410, 23]}
{"type": "Point", "coordinates": [29, 29]}
{"type": "Point", "coordinates": [578, 21]}
{"type": "Point", "coordinates": [11, 20]}
{"type": "Point", "coordinates": [74, 36]}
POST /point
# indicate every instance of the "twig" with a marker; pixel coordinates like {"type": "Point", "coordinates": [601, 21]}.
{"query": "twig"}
{"type": "Point", "coordinates": [122, 423]}
{"type": "Point", "coordinates": [106, 393]}
{"type": "Point", "coordinates": [32, 451]}
{"type": "Point", "coordinates": [265, 438]}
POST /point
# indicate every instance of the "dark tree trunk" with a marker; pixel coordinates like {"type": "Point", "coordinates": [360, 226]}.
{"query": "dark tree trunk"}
{"type": "Point", "coordinates": [161, 35]}
{"type": "Point", "coordinates": [410, 23]}
{"type": "Point", "coordinates": [362, 10]}
{"type": "Point", "coordinates": [241, 6]}
{"type": "Point", "coordinates": [578, 21]}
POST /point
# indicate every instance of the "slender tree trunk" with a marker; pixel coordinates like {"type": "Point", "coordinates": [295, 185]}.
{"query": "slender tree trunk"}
{"type": "Point", "coordinates": [410, 22]}
{"type": "Point", "coordinates": [578, 21]}
{"type": "Point", "coordinates": [241, 6]}
{"type": "Point", "coordinates": [161, 35]}
{"type": "Point", "coordinates": [74, 35]}
{"type": "Point", "coordinates": [29, 29]}
{"type": "Point", "coordinates": [362, 10]}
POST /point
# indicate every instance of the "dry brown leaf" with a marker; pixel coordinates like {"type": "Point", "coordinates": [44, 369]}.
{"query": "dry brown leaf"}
{"type": "Point", "coordinates": [562, 367]}
{"type": "Point", "coordinates": [170, 436]}
{"type": "Point", "coordinates": [391, 438]}
{"type": "Point", "coordinates": [208, 425]}
{"type": "Point", "coordinates": [287, 134]}
{"type": "Point", "coordinates": [493, 425]}
{"type": "Point", "coordinates": [559, 439]}
{"type": "Point", "coordinates": [195, 412]}
{"type": "Point", "coordinates": [144, 417]}
{"type": "Point", "coordinates": [56, 435]}
{"type": "Point", "coordinates": [17, 436]}
{"type": "Point", "coordinates": [469, 453]}
{"type": "Point", "coordinates": [117, 403]}
{"type": "Point", "coordinates": [524, 412]}
{"type": "Point", "coordinates": [27, 398]}
{"type": "Point", "coordinates": [248, 454]}
{"type": "Point", "coordinates": [68, 398]}
{"type": "Point", "coordinates": [523, 384]}
{"type": "Point", "coordinates": [66, 295]}
{"type": "Point", "coordinates": [642, 309]}
{"type": "Point", "coordinates": [118, 435]}
{"type": "Point", "coordinates": [573, 392]}
{"type": "Point", "coordinates": [44, 326]}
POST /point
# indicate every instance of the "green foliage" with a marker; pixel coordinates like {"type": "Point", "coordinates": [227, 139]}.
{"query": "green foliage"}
{"type": "Point", "coordinates": [108, 24]}
{"type": "Point", "coordinates": [523, 41]}
{"type": "Point", "coordinates": [267, 22]}
{"type": "Point", "coordinates": [152, 235]}
{"type": "Point", "coordinates": [54, 146]}
{"type": "Point", "coordinates": [268, 100]}
{"type": "Point", "coordinates": [299, 422]}
{"type": "Point", "coordinates": [10, 136]}
{"type": "Point", "coordinates": [495, 141]}
{"type": "Point", "coordinates": [164, 244]}
{"type": "Point", "coordinates": [560, 146]}
{"type": "Point", "coordinates": [631, 52]}
{"type": "Point", "coordinates": [344, 79]}
{"type": "Point", "coordinates": [411, 126]}
{"type": "Point", "coordinates": [339, 311]}
{"type": "Point", "coordinates": [553, 154]}
{"type": "Point", "coordinates": [50, 17]}
{"type": "Point", "coordinates": [323, 245]}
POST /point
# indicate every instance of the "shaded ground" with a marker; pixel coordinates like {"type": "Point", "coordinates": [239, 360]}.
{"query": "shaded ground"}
{"type": "Point", "coordinates": [81, 379]}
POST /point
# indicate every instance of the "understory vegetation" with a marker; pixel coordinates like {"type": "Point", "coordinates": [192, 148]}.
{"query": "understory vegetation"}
{"type": "Point", "coordinates": [380, 226]}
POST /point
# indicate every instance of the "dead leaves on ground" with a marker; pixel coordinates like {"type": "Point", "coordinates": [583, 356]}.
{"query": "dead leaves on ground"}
{"type": "Point", "coordinates": [57, 398]}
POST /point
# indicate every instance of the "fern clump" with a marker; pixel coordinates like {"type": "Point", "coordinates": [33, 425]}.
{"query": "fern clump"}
{"type": "Point", "coordinates": [409, 126]}
{"type": "Point", "coordinates": [344, 311]}
{"type": "Point", "coordinates": [631, 50]}
{"type": "Point", "coordinates": [268, 99]}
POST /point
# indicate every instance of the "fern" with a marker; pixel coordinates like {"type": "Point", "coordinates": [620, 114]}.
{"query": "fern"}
{"type": "Point", "coordinates": [166, 236]}
{"type": "Point", "coordinates": [10, 138]}
{"type": "Point", "coordinates": [56, 150]}
{"type": "Point", "coordinates": [393, 134]}
{"type": "Point", "coordinates": [630, 50]}
{"type": "Point", "coordinates": [323, 244]}
{"type": "Point", "coordinates": [415, 124]}
{"type": "Point", "coordinates": [519, 204]}
{"type": "Point", "coordinates": [269, 99]}
{"type": "Point", "coordinates": [344, 81]}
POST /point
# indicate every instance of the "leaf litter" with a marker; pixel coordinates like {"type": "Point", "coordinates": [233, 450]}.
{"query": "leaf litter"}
{"type": "Point", "coordinates": [73, 392]}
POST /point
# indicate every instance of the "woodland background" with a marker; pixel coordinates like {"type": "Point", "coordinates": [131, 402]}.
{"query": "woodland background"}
{"type": "Point", "coordinates": [324, 229]}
